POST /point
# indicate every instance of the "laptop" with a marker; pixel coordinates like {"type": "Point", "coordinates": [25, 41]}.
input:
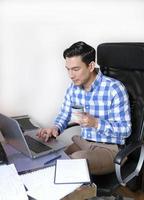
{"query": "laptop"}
{"type": "Point", "coordinates": [27, 143]}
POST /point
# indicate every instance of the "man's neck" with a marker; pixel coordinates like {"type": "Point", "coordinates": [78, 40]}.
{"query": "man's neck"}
{"type": "Point", "coordinates": [87, 86]}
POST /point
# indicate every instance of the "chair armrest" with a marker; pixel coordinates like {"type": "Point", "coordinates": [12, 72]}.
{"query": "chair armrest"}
{"type": "Point", "coordinates": [123, 154]}
{"type": "Point", "coordinates": [127, 150]}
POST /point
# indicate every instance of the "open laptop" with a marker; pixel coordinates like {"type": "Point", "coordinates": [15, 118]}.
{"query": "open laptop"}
{"type": "Point", "coordinates": [27, 142]}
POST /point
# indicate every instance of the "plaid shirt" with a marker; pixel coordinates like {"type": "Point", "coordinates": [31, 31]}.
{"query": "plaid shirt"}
{"type": "Point", "coordinates": [106, 100]}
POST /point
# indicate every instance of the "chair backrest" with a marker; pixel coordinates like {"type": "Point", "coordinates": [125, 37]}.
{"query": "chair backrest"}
{"type": "Point", "coordinates": [125, 62]}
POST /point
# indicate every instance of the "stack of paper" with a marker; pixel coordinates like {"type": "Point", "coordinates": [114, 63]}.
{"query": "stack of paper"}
{"type": "Point", "coordinates": [11, 186]}
{"type": "Point", "coordinates": [40, 185]}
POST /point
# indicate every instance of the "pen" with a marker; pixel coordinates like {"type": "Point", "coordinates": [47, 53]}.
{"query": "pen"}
{"type": "Point", "coordinates": [55, 158]}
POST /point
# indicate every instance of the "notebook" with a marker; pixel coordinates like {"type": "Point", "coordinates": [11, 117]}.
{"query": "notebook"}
{"type": "Point", "coordinates": [27, 142]}
{"type": "Point", "coordinates": [71, 171]}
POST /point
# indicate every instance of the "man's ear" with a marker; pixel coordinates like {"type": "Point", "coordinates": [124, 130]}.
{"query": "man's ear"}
{"type": "Point", "coordinates": [92, 66]}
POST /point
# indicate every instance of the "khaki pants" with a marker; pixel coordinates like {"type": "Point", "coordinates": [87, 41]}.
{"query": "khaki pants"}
{"type": "Point", "coordinates": [100, 156]}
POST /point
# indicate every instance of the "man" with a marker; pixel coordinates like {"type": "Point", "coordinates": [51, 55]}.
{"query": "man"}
{"type": "Point", "coordinates": [105, 122]}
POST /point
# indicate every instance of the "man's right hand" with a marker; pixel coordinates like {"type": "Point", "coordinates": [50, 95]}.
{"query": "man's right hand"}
{"type": "Point", "coordinates": [46, 133]}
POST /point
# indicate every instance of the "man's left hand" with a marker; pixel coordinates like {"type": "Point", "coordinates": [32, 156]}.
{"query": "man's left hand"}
{"type": "Point", "coordinates": [87, 120]}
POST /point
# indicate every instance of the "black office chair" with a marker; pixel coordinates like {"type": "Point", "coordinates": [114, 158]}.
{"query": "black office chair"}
{"type": "Point", "coordinates": [125, 62]}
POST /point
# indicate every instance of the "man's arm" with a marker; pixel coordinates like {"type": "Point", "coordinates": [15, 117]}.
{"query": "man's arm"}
{"type": "Point", "coordinates": [118, 123]}
{"type": "Point", "coordinates": [119, 120]}
{"type": "Point", "coordinates": [64, 115]}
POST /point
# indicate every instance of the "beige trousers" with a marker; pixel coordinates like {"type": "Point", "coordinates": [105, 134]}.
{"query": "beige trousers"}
{"type": "Point", "coordinates": [100, 156]}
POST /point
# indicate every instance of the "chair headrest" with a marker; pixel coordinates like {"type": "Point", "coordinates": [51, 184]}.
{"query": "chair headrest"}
{"type": "Point", "coordinates": [121, 55]}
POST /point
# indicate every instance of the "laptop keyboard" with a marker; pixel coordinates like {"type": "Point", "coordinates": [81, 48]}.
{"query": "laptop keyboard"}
{"type": "Point", "coordinates": [36, 146]}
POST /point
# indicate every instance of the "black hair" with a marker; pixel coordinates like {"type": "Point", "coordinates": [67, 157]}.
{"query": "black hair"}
{"type": "Point", "coordinates": [82, 49]}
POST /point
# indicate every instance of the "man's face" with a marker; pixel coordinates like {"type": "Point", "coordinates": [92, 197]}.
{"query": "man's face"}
{"type": "Point", "coordinates": [78, 71]}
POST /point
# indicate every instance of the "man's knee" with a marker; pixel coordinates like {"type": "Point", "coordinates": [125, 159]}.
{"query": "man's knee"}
{"type": "Point", "coordinates": [75, 138]}
{"type": "Point", "coordinates": [95, 165]}
{"type": "Point", "coordinates": [78, 155]}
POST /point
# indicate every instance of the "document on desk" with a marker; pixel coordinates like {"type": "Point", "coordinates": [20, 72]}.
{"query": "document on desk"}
{"type": "Point", "coordinates": [40, 185]}
{"type": "Point", "coordinates": [71, 171]}
{"type": "Point", "coordinates": [11, 186]}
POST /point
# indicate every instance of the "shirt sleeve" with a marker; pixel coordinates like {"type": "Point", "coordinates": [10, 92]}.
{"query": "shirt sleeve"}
{"type": "Point", "coordinates": [119, 122]}
{"type": "Point", "coordinates": [64, 115]}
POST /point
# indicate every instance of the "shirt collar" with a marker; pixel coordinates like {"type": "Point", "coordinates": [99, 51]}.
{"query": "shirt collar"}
{"type": "Point", "coordinates": [97, 81]}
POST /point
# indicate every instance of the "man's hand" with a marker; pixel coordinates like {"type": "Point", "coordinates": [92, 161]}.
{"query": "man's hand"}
{"type": "Point", "coordinates": [87, 120]}
{"type": "Point", "coordinates": [46, 133]}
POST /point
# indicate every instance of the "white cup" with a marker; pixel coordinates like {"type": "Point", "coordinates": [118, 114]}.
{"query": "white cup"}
{"type": "Point", "coordinates": [75, 111]}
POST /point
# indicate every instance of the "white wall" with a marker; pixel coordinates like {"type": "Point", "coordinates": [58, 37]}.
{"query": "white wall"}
{"type": "Point", "coordinates": [33, 35]}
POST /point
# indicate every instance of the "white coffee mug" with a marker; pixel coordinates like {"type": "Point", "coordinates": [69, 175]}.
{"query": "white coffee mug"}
{"type": "Point", "coordinates": [75, 111]}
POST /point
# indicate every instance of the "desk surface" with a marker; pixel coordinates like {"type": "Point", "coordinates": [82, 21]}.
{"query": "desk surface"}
{"type": "Point", "coordinates": [82, 193]}
{"type": "Point", "coordinates": [24, 163]}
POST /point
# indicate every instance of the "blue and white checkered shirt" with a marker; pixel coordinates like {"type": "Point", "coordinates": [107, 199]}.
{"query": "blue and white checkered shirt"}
{"type": "Point", "coordinates": [106, 100]}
